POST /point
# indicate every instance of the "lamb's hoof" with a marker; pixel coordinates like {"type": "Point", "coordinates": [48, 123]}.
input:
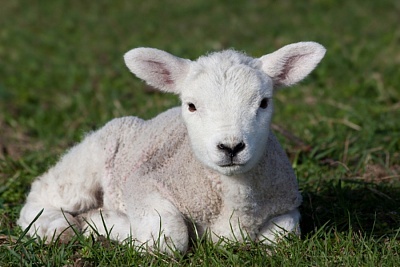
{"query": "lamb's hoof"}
{"type": "Point", "coordinates": [62, 233]}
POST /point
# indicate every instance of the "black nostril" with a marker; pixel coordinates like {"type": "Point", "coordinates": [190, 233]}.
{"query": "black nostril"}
{"type": "Point", "coordinates": [239, 147]}
{"type": "Point", "coordinates": [223, 147]}
{"type": "Point", "coordinates": [226, 149]}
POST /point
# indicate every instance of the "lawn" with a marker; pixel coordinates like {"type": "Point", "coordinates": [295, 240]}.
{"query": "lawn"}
{"type": "Point", "coordinates": [62, 74]}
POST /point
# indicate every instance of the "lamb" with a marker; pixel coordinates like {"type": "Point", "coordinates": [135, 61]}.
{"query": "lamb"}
{"type": "Point", "coordinates": [211, 166]}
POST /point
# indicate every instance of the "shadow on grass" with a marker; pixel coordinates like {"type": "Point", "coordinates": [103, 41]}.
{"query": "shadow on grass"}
{"type": "Point", "coordinates": [371, 209]}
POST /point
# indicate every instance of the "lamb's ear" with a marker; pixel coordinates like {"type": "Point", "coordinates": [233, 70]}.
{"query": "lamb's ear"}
{"type": "Point", "coordinates": [158, 68]}
{"type": "Point", "coordinates": [292, 63]}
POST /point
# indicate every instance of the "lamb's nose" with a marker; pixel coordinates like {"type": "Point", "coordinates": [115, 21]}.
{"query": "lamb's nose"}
{"type": "Point", "coordinates": [232, 151]}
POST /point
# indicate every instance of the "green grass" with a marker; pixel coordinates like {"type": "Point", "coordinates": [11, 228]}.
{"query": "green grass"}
{"type": "Point", "coordinates": [62, 74]}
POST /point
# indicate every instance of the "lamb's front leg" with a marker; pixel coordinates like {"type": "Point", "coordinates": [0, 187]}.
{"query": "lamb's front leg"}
{"type": "Point", "coordinates": [280, 226]}
{"type": "Point", "coordinates": [158, 224]}
{"type": "Point", "coordinates": [151, 222]}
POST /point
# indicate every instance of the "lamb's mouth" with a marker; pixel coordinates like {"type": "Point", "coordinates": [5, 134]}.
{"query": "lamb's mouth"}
{"type": "Point", "coordinates": [231, 164]}
{"type": "Point", "coordinates": [232, 168]}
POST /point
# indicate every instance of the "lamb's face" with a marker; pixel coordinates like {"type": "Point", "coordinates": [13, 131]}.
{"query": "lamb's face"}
{"type": "Point", "coordinates": [226, 97]}
{"type": "Point", "coordinates": [227, 110]}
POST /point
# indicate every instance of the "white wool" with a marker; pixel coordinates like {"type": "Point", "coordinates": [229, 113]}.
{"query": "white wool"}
{"type": "Point", "coordinates": [211, 165]}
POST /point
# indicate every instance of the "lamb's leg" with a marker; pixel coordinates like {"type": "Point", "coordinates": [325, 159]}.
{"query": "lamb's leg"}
{"type": "Point", "coordinates": [73, 185]}
{"type": "Point", "coordinates": [58, 201]}
{"type": "Point", "coordinates": [280, 226]}
{"type": "Point", "coordinates": [157, 223]}
{"type": "Point", "coordinates": [52, 224]}
{"type": "Point", "coordinates": [153, 223]}
{"type": "Point", "coordinates": [110, 223]}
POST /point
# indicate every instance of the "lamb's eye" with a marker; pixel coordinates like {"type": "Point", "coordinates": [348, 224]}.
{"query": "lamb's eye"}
{"type": "Point", "coordinates": [264, 103]}
{"type": "Point", "coordinates": [191, 107]}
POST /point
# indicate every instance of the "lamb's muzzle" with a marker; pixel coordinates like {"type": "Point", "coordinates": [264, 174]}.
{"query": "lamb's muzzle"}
{"type": "Point", "coordinates": [233, 150]}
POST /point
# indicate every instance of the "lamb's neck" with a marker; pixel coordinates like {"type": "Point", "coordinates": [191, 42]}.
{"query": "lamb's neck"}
{"type": "Point", "coordinates": [237, 189]}
{"type": "Point", "coordinates": [239, 202]}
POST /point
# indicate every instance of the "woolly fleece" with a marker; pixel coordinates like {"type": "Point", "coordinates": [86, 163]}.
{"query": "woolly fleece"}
{"type": "Point", "coordinates": [162, 182]}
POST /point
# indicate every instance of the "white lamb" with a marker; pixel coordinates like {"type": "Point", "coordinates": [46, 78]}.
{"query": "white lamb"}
{"type": "Point", "coordinates": [210, 166]}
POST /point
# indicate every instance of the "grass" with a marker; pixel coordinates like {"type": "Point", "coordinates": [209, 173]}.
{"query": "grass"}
{"type": "Point", "coordinates": [62, 74]}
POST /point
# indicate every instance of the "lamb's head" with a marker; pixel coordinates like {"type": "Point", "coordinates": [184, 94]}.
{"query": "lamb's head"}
{"type": "Point", "coordinates": [226, 97]}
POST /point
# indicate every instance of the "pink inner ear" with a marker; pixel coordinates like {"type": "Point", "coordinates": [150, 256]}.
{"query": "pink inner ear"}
{"type": "Point", "coordinates": [160, 70]}
{"type": "Point", "coordinates": [290, 62]}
